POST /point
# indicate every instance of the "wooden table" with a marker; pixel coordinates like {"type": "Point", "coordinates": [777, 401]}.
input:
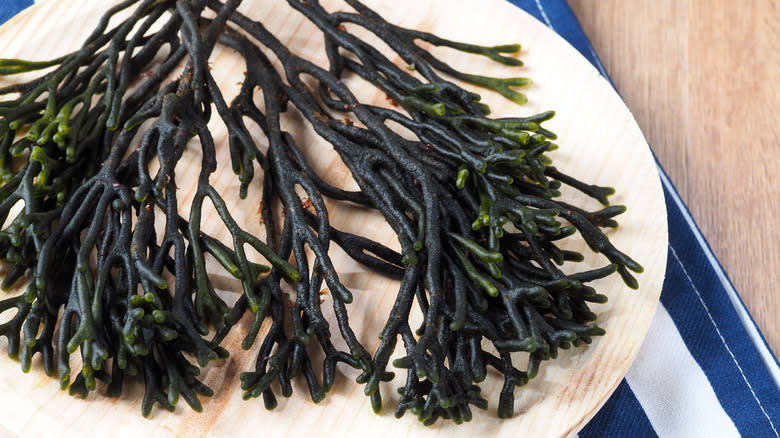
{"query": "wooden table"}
{"type": "Point", "coordinates": [701, 77]}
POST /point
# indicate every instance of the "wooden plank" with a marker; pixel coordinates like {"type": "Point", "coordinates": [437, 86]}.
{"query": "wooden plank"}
{"type": "Point", "coordinates": [701, 78]}
{"type": "Point", "coordinates": [600, 142]}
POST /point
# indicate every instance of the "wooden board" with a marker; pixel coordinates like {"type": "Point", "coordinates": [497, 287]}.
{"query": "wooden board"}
{"type": "Point", "coordinates": [599, 142]}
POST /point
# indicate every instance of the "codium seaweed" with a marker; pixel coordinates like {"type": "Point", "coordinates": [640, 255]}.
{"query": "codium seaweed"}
{"type": "Point", "coordinates": [473, 200]}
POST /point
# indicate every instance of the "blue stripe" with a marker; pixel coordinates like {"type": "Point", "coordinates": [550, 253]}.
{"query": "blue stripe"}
{"type": "Point", "coordinates": [742, 383]}
{"type": "Point", "coordinates": [11, 8]}
{"type": "Point", "coordinates": [621, 416]}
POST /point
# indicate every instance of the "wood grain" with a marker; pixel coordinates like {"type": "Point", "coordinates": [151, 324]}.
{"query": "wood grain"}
{"type": "Point", "coordinates": [701, 78]}
{"type": "Point", "coordinates": [567, 392]}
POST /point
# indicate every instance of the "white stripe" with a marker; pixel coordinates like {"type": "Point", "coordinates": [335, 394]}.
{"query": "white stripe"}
{"type": "Point", "coordinates": [599, 66]}
{"type": "Point", "coordinates": [717, 330]}
{"type": "Point", "coordinates": [544, 14]}
{"type": "Point", "coordinates": [744, 316]}
{"type": "Point", "coordinates": [671, 387]}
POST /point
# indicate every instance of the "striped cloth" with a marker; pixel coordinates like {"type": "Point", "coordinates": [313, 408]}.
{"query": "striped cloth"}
{"type": "Point", "coordinates": [704, 369]}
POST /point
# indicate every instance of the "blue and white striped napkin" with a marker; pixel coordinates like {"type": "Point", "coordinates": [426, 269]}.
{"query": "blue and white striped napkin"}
{"type": "Point", "coordinates": [704, 369]}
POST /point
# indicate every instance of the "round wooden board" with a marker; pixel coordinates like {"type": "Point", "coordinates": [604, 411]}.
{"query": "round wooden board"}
{"type": "Point", "coordinates": [599, 142]}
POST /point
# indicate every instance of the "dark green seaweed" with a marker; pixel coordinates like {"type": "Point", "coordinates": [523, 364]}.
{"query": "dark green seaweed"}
{"type": "Point", "coordinates": [473, 201]}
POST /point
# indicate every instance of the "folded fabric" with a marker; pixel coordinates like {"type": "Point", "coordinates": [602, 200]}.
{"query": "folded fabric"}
{"type": "Point", "coordinates": [704, 368]}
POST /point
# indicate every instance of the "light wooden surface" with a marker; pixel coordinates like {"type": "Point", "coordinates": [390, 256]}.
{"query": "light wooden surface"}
{"type": "Point", "coordinates": [701, 77]}
{"type": "Point", "coordinates": [568, 391]}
